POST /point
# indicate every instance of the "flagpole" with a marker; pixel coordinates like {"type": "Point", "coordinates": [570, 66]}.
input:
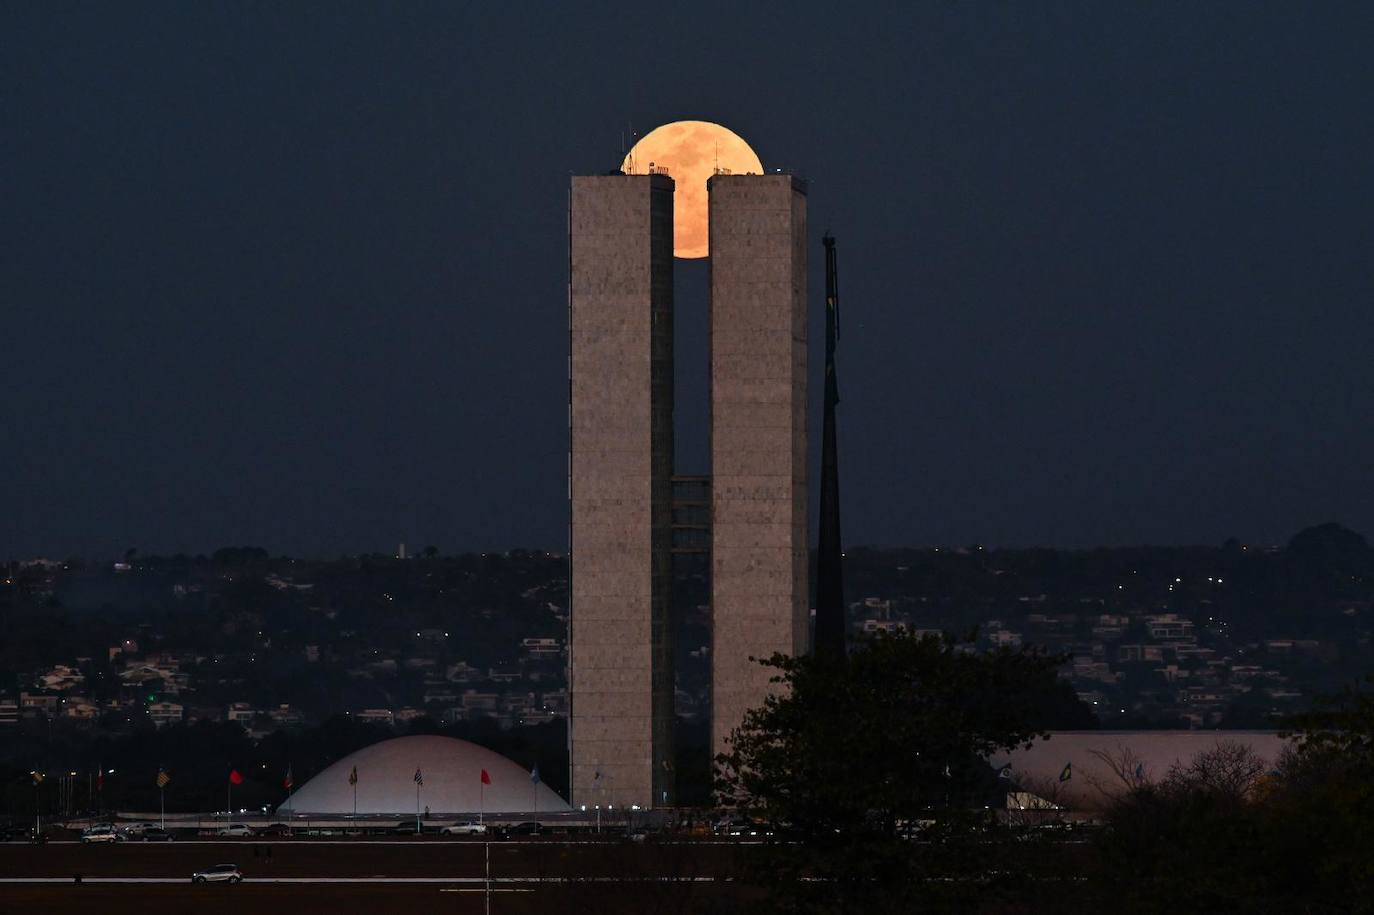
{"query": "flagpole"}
{"type": "Point", "coordinates": [162, 806]}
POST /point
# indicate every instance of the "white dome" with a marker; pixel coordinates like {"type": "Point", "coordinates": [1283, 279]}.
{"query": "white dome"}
{"type": "Point", "coordinates": [452, 773]}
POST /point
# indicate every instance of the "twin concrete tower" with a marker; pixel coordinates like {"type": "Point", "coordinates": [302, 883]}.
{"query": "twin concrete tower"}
{"type": "Point", "coordinates": [620, 475]}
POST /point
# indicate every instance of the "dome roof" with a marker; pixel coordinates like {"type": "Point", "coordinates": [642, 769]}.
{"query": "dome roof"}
{"type": "Point", "coordinates": [452, 775]}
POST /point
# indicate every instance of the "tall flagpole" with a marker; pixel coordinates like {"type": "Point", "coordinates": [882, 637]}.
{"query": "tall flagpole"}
{"type": "Point", "coordinates": [830, 607]}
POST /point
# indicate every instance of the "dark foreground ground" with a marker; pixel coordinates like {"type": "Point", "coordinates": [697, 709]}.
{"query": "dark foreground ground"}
{"type": "Point", "coordinates": [660, 876]}
{"type": "Point", "coordinates": [355, 877]}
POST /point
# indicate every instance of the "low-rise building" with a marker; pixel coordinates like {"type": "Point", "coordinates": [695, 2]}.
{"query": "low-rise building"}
{"type": "Point", "coordinates": [80, 708]}
{"type": "Point", "coordinates": [61, 677]}
{"type": "Point", "coordinates": [164, 713]}
{"type": "Point", "coordinates": [241, 713]}
{"type": "Point", "coordinates": [377, 716]}
{"type": "Point", "coordinates": [542, 648]}
{"type": "Point", "coordinates": [40, 703]}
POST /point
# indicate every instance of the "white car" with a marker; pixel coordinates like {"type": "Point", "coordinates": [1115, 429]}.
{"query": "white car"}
{"type": "Point", "coordinates": [103, 832]}
{"type": "Point", "coordinates": [219, 873]}
{"type": "Point", "coordinates": [136, 830]}
{"type": "Point", "coordinates": [466, 828]}
{"type": "Point", "coordinates": [237, 830]}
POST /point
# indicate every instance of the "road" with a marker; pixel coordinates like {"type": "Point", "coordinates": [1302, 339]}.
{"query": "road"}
{"type": "Point", "coordinates": [302, 876]}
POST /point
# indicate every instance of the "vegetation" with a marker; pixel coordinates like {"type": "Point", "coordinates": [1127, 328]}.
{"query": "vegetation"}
{"type": "Point", "coordinates": [873, 766]}
{"type": "Point", "coordinates": [871, 772]}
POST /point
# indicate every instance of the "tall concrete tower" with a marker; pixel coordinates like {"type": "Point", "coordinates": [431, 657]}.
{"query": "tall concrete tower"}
{"type": "Point", "coordinates": [620, 302]}
{"type": "Point", "coordinates": [759, 592]}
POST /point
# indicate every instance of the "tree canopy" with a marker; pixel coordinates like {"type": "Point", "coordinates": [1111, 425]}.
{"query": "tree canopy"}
{"type": "Point", "coordinates": [855, 760]}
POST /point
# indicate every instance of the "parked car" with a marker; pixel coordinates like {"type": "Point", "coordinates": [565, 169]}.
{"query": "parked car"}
{"type": "Point", "coordinates": [218, 873]}
{"type": "Point", "coordinates": [136, 830]}
{"type": "Point", "coordinates": [275, 829]}
{"type": "Point", "coordinates": [155, 834]}
{"type": "Point", "coordinates": [465, 828]}
{"type": "Point", "coordinates": [237, 830]}
{"type": "Point", "coordinates": [741, 827]}
{"type": "Point", "coordinates": [406, 828]}
{"type": "Point", "coordinates": [527, 828]}
{"type": "Point", "coordinates": [102, 832]}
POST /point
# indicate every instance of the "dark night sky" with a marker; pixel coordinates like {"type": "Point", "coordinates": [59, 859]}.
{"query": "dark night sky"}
{"type": "Point", "coordinates": [295, 275]}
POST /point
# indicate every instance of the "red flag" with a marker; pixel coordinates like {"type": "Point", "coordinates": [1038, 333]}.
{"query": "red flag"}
{"type": "Point", "coordinates": [287, 782]}
{"type": "Point", "coordinates": [100, 779]}
{"type": "Point", "coordinates": [486, 779]}
{"type": "Point", "coordinates": [234, 777]}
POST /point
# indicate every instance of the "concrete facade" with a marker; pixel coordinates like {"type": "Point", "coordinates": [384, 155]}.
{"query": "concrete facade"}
{"type": "Point", "coordinates": [620, 301]}
{"type": "Point", "coordinates": [758, 332]}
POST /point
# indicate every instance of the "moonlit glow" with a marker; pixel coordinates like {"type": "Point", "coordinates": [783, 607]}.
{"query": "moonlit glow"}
{"type": "Point", "coordinates": [692, 151]}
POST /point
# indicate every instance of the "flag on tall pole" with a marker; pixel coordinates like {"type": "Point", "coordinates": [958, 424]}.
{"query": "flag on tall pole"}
{"type": "Point", "coordinates": [288, 783]}
{"type": "Point", "coordinates": [37, 815]}
{"type": "Point", "coordinates": [234, 779]}
{"type": "Point", "coordinates": [162, 779]}
{"type": "Point", "coordinates": [1066, 773]}
{"type": "Point", "coordinates": [483, 780]}
{"type": "Point", "coordinates": [831, 622]}
{"type": "Point", "coordinates": [419, 782]}
{"type": "Point", "coordinates": [534, 780]}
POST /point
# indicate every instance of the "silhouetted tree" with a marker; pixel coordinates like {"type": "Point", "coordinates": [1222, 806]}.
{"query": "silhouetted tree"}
{"type": "Point", "coordinates": [876, 765]}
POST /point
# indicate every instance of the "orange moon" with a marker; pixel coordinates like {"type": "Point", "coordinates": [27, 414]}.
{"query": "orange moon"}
{"type": "Point", "coordinates": [691, 151]}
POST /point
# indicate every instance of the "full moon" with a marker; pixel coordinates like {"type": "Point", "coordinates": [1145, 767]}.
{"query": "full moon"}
{"type": "Point", "coordinates": [691, 151]}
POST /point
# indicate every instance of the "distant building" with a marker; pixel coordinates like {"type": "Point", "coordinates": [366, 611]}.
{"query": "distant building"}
{"type": "Point", "coordinates": [542, 649]}
{"type": "Point", "coordinates": [80, 708]}
{"type": "Point", "coordinates": [40, 703]}
{"type": "Point", "coordinates": [61, 677]}
{"type": "Point", "coordinates": [377, 716]}
{"type": "Point", "coordinates": [163, 713]}
{"type": "Point", "coordinates": [241, 713]}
